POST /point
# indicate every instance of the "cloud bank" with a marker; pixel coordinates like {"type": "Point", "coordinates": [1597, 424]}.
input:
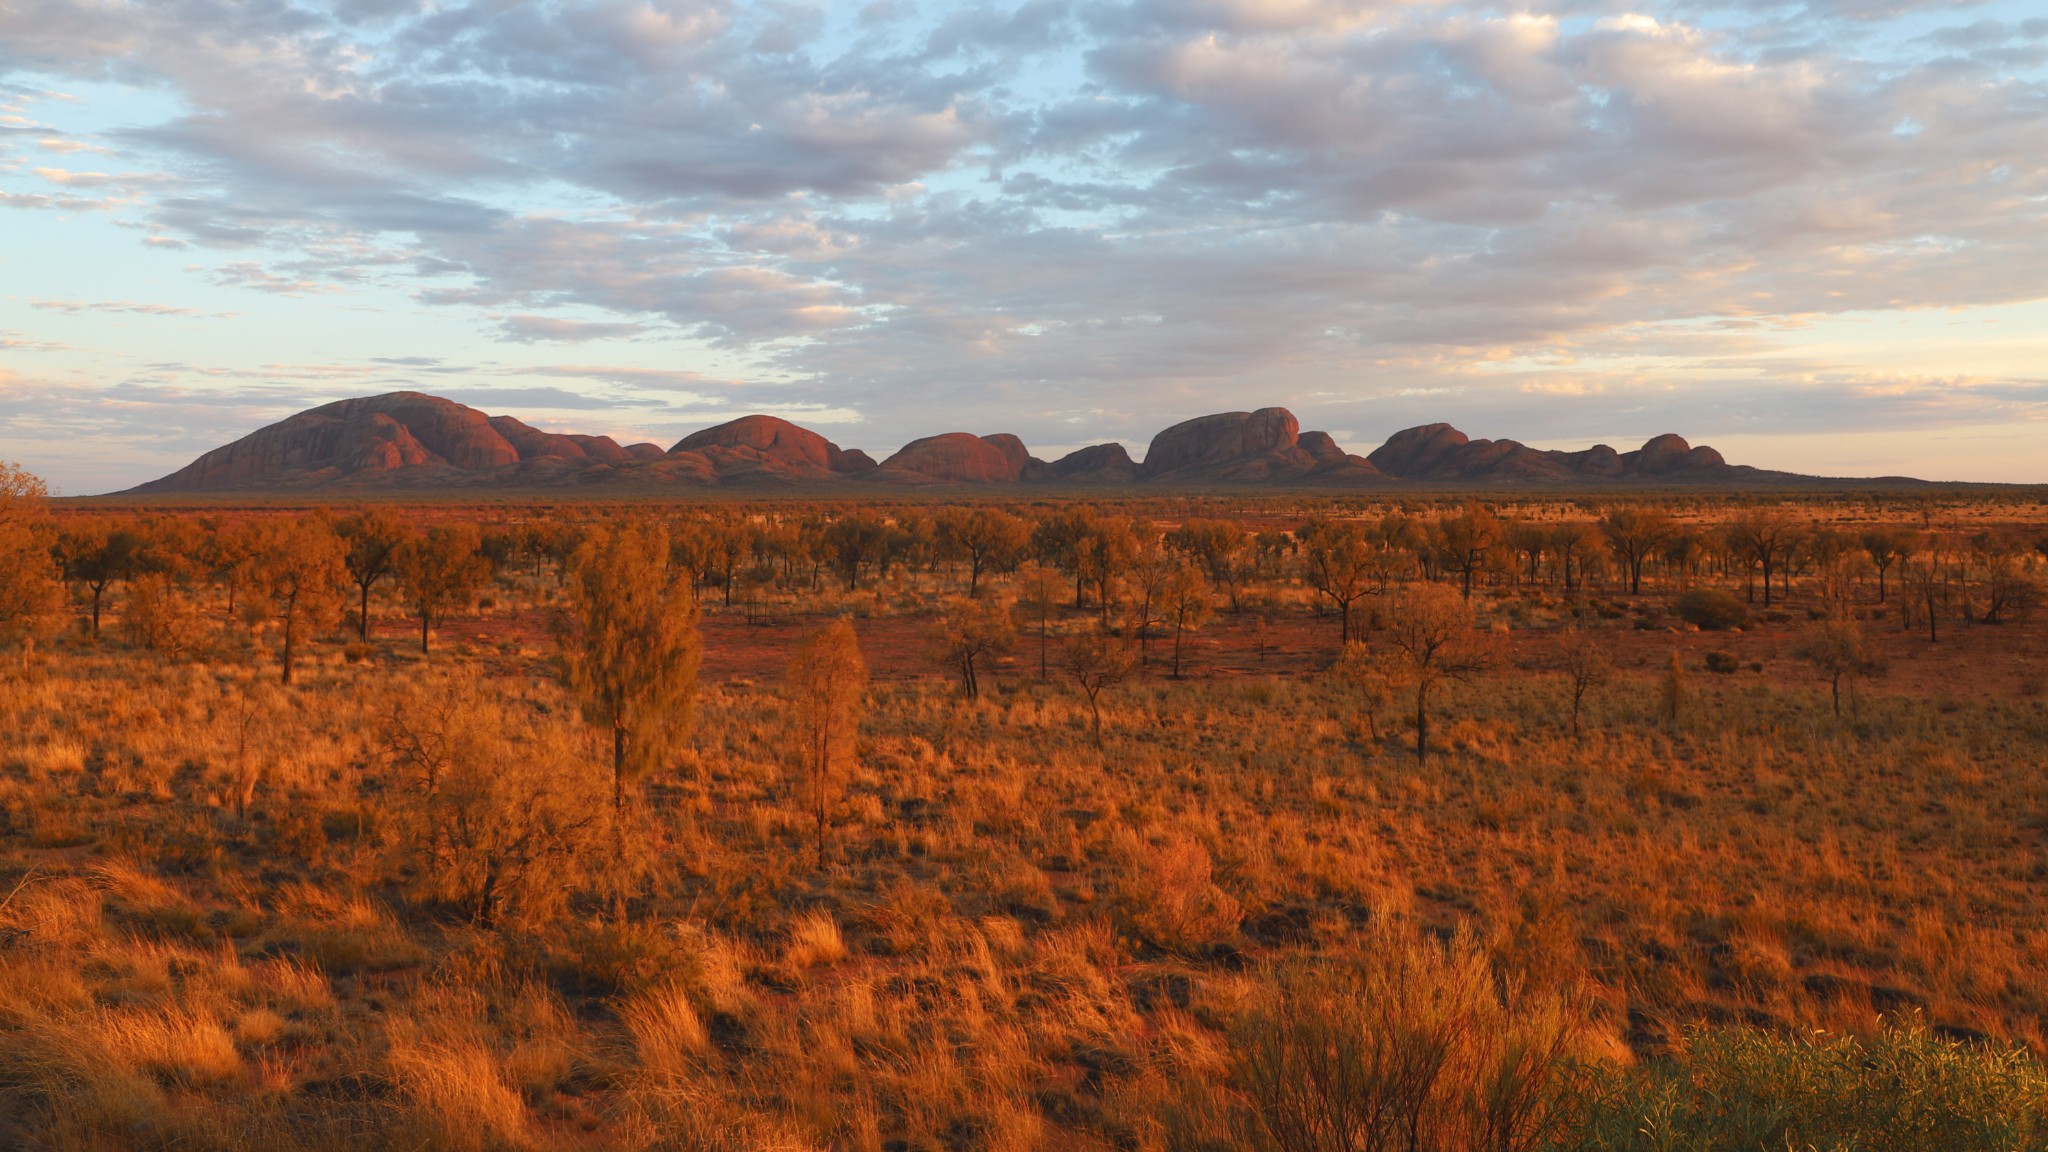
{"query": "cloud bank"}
{"type": "Point", "coordinates": [1080, 221]}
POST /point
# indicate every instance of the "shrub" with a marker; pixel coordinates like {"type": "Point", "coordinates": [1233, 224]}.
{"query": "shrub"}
{"type": "Point", "coordinates": [1722, 663]}
{"type": "Point", "coordinates": [1903, 1090]}
{"type": "Point", "coordinates": [1412, 1045]}
{"type": "Point", "coordinates": [1711, 610]}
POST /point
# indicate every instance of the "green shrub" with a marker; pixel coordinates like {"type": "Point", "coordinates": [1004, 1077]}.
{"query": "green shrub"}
{"type": "Point", "coordinates": [1904, 1090]}
{"type": "Point", "coordinates": [1711, 610]}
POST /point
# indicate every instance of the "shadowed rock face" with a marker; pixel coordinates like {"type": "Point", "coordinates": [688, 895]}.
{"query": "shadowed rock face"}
{"type": "Point", "coordinates": [1440, 452]}
{"type": "Point", "coordinates": [1235, 447]}
{"type": "Point", "coordinates": [1417, 451]}
{"type": "Point", "coordinates": [1222, 443]}
{"type": "Point", "coordinates": [1669, 455]}
{"type": "Point", "coordinates": [1097, 464]}
{"type": "Point", "coordinates": [408, 439]}
{"type": "Point", "coordinates": [1321, 447]}
{"type": "Point", "coordinates": [533, 444]}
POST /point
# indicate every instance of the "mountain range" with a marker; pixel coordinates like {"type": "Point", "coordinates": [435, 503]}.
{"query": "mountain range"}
{"type": "Point", "coordinates": [409, 440]}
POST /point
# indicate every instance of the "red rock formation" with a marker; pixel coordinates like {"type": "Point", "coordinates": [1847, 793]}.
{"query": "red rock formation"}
{"type": "Point", "coordinates": [1439, 452]}
{"type": "Point", "coordinates": [1212, 446]}
{"type": "Point", "coordinates": [1321, 447]}
{"type": "Point", "coordinates": [960, 458]}
{"type": "Point", "coordinates": [1669, 455]}
{"type": "Point", "coordinates": [768, 447]}
{"type": "Point", "coordinates": [375, 434]}
{"type": "Point", "coordinates": [1098, 464]}
{"type": "Point", "coordinates": [1416, 452]}
{"type": "Point", "coordinates": [1250, 447]}
{"type": "Point", "coordinates": [460, 435]}
{"type": "Point", "coordinates": [406, 439]}
{"type": "Point", "coordinates": [534, 444]}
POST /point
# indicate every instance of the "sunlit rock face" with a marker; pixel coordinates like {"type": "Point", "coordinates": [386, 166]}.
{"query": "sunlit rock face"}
{"type": "Point", "coordinates": [411, 440]}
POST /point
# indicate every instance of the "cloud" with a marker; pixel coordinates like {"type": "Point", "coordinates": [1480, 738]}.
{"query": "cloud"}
{"type": "Point", "coordinates": [251, 275]}
{"type": "Point", "coordinates": [66, 146]}
{"type": "Point", "coordinates": [73, 307]}
{"type": "Point", "coordinates": [538, 329]}
{"type": "Point", "coordinates": [496, 399]}
{"type": "Point", "coordinates": [1050, 216]}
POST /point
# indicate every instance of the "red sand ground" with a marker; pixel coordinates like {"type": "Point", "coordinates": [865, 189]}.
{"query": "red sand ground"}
{"type": "Point", "coordinates": [2003, 660]}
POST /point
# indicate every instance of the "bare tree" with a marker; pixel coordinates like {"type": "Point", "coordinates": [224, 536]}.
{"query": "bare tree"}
{"type": "Point", "coordinates": [1635, 534]}
{"type": "Point", "coordinates": [1338, 563]}
{"type": "Point", "coordinates": [1886, 547]}
{"type": "Point", "coordinates": [970, 633]}
{"type": "Point", "coordinates": [1220, 547]}
{"type": "Point", "coordinates": [1766, 538]}
{"type": "Point", "coordinates": [1468, 543]}
{"type": "Point", "coordinates": [376, 539]}
{"type": "Point", "coordinates": [719, 546]}
{"type": "Point", "coordinates": [1837, 649]}
{"type": "Point", "coordinates": [442, 573]}
{"type": "Point", "coordinates": [1104, 554]}
{"type": "Point", "coordinates": [988, 539]}
{"type": "Point", "coordinates": [1929, 577]}
{"type": "Point", "coordinates": [1431, 631]}
{"type": "Point", "coordinates": [1576, 547]}
{"type": "Point", "coordinates": [1583, 660]}
{"type": "Point", "coordinates": [2008, 590]}
{"type": "Point", "coordinates": [1152, 565]}
{"type": "Point", "coordinates": [1094, 662]}
{"type": "Point", "coordinates": [1057, 539]}
{"type": "Point", "coordinates": [1038, 597]}
{"type": "Point", "coordinates": [1187, 601]}
{"type": "Point", "coordinates": [826, 688]}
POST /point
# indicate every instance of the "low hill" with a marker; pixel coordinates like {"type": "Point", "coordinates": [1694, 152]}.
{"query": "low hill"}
{"type": "Point", "coordinates": [409, 440]}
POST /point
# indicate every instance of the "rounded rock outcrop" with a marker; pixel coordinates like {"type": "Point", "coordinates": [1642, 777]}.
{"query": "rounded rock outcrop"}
{"type": "Point", "coordinates": [771, 438]}
{"type": "Point", "coordinates": [366, 435]}
{"type": "Point", "coordinates": [1219, 442]}
{"type": "Point", "coordinates": [962, 458]}
{"type": "Point", "coordinates": [1095, 464]}
{"type": "Point", "coordinates": [1417, 451]}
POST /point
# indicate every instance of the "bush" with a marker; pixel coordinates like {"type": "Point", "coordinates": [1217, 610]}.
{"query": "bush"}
{"type": "Point", "coordinates": [1405, 1045]}
{"type": "Point", "coordinates": [1711, 610]}
{"type": "Point", "coordinates": [1722, 663]}
{"type": "Point", "coordinates": [1903, 1090]}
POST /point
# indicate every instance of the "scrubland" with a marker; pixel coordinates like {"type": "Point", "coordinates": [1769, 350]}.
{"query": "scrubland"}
{"type": "Point", "coordinates": [416, 899]}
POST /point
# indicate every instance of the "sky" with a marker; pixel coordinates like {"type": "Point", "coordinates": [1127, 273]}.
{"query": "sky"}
{"type": "Point", "coordinates": [1813, 235]}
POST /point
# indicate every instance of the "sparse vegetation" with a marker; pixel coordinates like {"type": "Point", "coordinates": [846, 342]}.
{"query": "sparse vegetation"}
{"type": "Point", "coordinates": [615, 862]}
